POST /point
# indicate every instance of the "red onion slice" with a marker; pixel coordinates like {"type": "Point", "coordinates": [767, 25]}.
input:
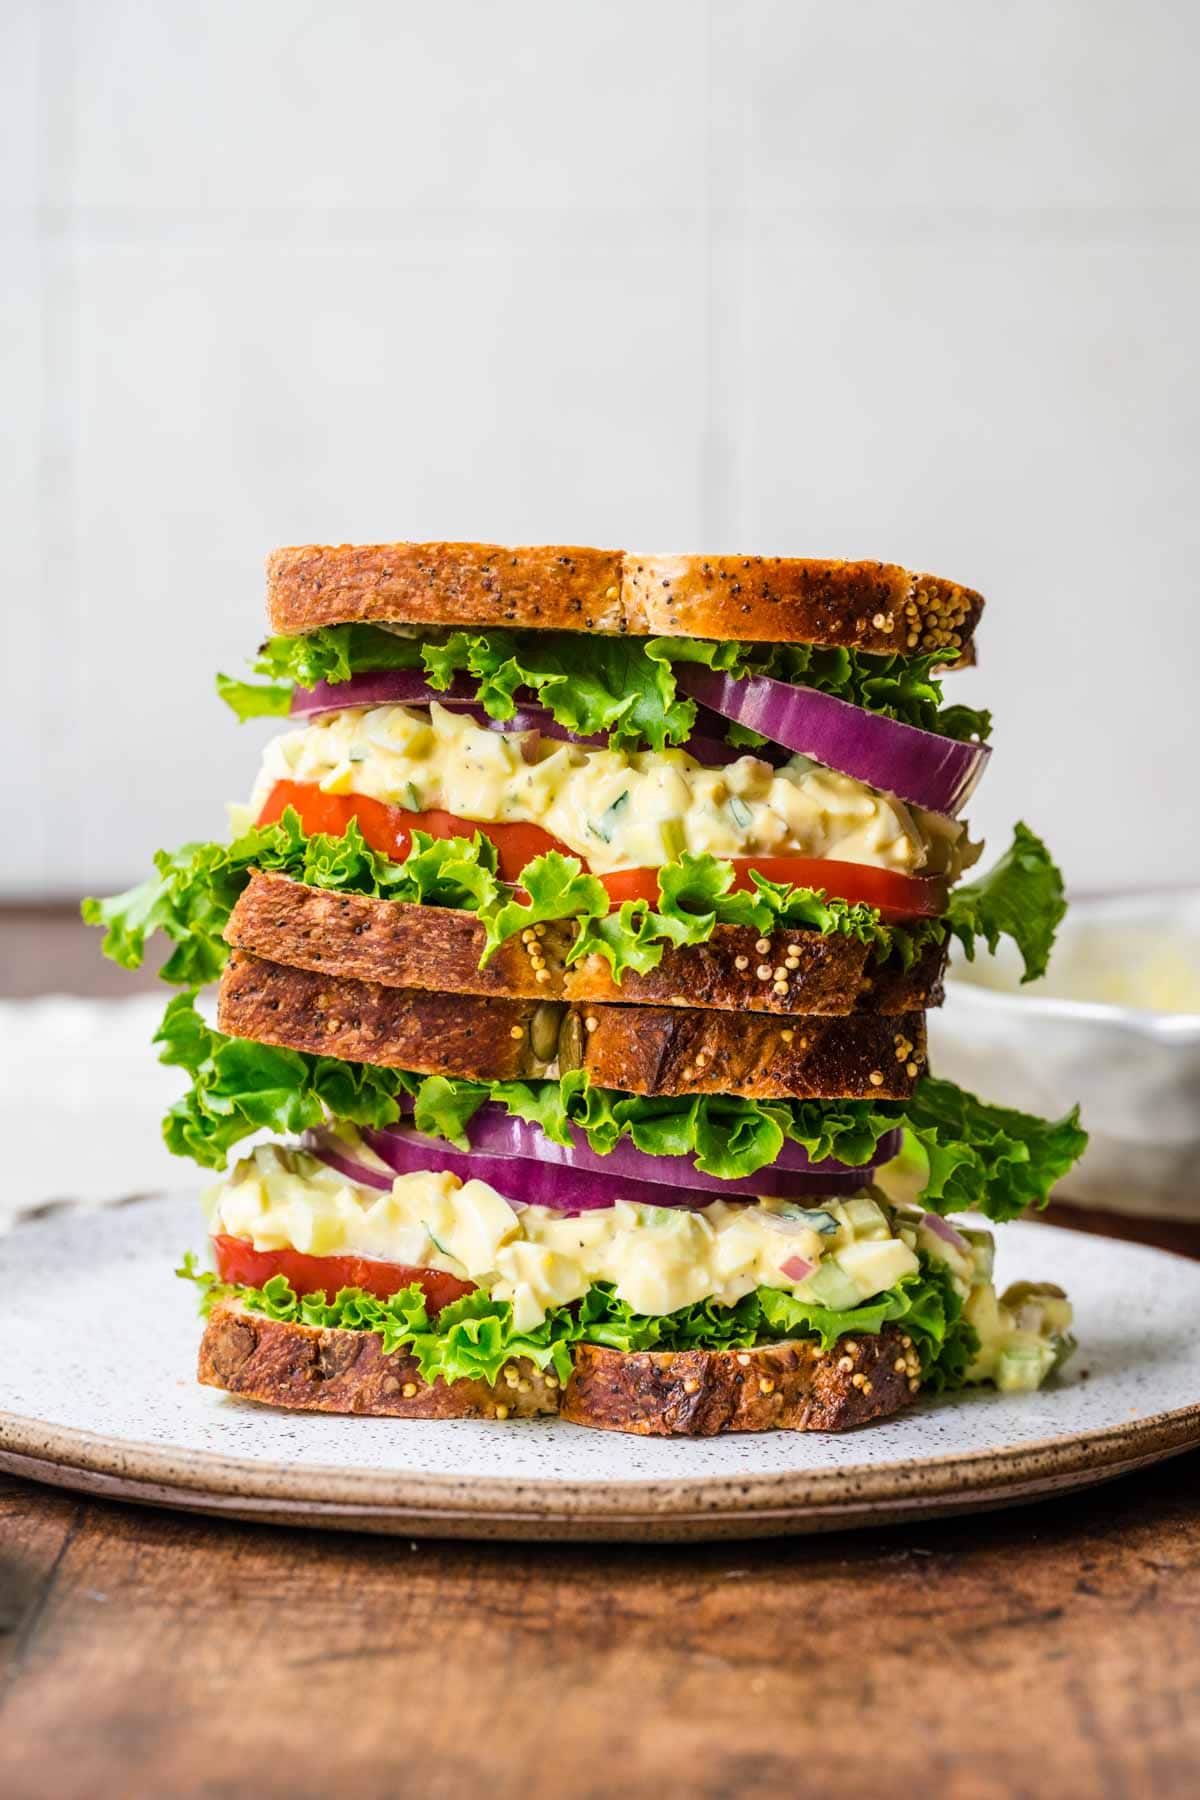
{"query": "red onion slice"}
{"type": "Point", "coordinates": [324, 1145]}
{"type": "Point", "coordinates": [493, 1132]}
{"type": "Point", "coordinates": [919, 766]}
{"type": "Point", "coordinates": [390, 687]}
{"type": "Point", "coordinates": [942, 1228]}
{"type": "Point", "coordinates": [557, 1186]}
{"type": "Point", "coordinates": [405, 687]}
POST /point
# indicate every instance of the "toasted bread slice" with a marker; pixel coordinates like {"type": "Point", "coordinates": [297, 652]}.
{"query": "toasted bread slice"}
{"type": "Point", "coordinates": [870, 606]}
{"type": "Point", "coordinates": [403, 945]}
{"type": "Point", "coordinates": [318, 1370]}
{"type": "Point", "coordinates": [638, 1049]}
{"type": "Point", "coordinates": [790, 1386]}
{"type": "Point", "coordinates": [681, 1050]}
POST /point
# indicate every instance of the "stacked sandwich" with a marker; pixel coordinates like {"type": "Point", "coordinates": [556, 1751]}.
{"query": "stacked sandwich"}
{"type": "Point", "coordinates": [575, 948]}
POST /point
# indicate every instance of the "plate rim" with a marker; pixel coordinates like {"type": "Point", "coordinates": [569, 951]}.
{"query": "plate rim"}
{"type": "Point", "coordinates": [932, 1483]}
{"type": "Point", "coordinates": [916, 1480]}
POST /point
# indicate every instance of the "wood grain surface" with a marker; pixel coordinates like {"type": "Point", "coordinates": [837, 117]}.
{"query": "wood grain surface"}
{"type": "Point", "coordinates": [1047, 1651]}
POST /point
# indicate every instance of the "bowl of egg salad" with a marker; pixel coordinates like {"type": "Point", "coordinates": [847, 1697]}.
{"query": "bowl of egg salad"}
{"type": "Point", "coordinates": [1115, 1024]}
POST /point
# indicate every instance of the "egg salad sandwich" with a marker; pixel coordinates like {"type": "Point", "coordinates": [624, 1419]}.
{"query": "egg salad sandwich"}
{"type": "Point", "coordinates": [572, 962]}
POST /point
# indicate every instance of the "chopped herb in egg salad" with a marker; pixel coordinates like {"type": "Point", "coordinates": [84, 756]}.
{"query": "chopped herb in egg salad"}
{"type": "Point", "coordinates": [615, 809]}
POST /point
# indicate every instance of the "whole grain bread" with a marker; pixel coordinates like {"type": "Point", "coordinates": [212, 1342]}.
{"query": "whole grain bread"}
{"type": "Point", "coordinates": [681, 1050]}
{"type": "Point", "coordinates": [637, 1049]}
{"type": "Point", "coordinates": [403, 945]}
{"type": "Point", "coordinates": [791, 1386]}
{"type": "Point", "coordinates": [319, 1370]}
{"type": "Point", "coordinates": [870, 606]}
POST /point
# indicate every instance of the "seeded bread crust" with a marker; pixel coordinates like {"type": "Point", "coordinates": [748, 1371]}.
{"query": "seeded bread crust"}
{"type": "Point", "coordinates": [870, 606]}
{"type": "Point", "coordinates": [404, 945]}
{"type": "Point", "coordinates": [637, 1049]}
{"type": "Point", "coordinates": [693, 1393]}
{"type": "Point", "coordinates": [335, 1371]}
{"type": "Point", "coordinates": [778, 1387]}
{"type": "Point", "coordinates": [678, 1050]}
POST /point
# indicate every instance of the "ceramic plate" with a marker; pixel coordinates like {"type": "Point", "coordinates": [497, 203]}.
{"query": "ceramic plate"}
{"type": "Point", "coordinates": [98, 1346]}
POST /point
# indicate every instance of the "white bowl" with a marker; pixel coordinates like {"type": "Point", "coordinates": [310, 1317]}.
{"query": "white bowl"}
{"type": "Point", "coordinates": [1078, 1036]}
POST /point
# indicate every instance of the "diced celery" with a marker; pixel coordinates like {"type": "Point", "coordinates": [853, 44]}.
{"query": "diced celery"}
{"type": "Point", "coordinates": [984, 1246]}
{"type": "Point", "coordinates": [672, 838]}
{"type": "Point", "coordinates": [866, 1219]}
{"type": "Point", "coordinates": [829, 1285]}
{"type": "Point", "coordinates": [1020, 1368]}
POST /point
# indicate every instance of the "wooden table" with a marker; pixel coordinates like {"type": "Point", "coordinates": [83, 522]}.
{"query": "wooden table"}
{"type": "Point", "coordinates": [1050, 1650]}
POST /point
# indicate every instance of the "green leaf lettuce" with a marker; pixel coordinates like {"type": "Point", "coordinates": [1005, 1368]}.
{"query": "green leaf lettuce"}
{"type": "Point", "coordinates": [193, 890]}
{"type": "Point", "coordinates": [474, 1337]}
{"type": "Point", "coordinates": [1020, 897]}
{"type": "Point", "coordinates": [993, 1159]}
{"type": "Point", "coordinates": [622, 686]}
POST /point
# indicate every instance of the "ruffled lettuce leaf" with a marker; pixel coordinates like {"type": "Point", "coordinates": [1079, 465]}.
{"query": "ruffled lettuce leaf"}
{"type": "Point", "coordinates": [590, 683]}
{"type": "Point", "coordinates": [332, 653]}
{"type": "Point", "coordinates": [238, 1088]}
{"type": "Point", "coordinates": [696, 894]}
{"type": "Point", "coordinates": [193, 890]}
{"type": "Point", "coordinates": [621, 686]}
{"type": "Point", "coordinates": [474, 1337]}
{"type": "Point", "coordinates": [557, 888]}
{"type": "Point", "coordinates": [993, 1159]}
{"type": "Point", "coordinates": [1020, 897]}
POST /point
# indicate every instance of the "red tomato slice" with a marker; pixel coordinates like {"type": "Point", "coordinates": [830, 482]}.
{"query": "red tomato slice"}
{"type": "Point", "coordinates": [896, 896]}
{"type": "Point", "coordinates": [389, 829]}
{"type": "Point", "coordinates": [240, 1263]}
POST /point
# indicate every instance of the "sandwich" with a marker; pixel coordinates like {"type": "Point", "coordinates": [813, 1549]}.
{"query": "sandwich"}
{"type": "Point", "coordinates": [572, 960]}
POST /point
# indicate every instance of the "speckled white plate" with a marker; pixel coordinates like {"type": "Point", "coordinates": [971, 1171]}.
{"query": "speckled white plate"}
{"type": "Point", "coordinates": [98, 1346]}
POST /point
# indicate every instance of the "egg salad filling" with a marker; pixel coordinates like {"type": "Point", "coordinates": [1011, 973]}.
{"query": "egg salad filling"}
{"type": "Point", "coordinates": [834, 1254]}
{"type": "Point", "coordinates": [616, 809]}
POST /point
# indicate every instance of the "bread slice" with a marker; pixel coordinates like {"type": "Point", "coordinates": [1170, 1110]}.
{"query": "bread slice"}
{"type": "Point", "coordinates": [791, 1386]}
{"type": "Point", "coordinates": [678, 1050]}
{"type": "Point", "coordinates": [319, 1370]}
{"type": "Point", "coordinates": [637, 1049]}
{"type": "Point", "coordinates": [870, 606]}
{"type": "Point", "coordinates": [403, 945]}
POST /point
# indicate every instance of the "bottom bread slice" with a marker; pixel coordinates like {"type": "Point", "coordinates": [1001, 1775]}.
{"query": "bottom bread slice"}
{"type": "Point", "coordinates": [790, 1386]}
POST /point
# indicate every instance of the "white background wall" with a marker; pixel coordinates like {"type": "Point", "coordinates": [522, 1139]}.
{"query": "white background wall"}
{"type": "Point", "coordinates": [916, 281]}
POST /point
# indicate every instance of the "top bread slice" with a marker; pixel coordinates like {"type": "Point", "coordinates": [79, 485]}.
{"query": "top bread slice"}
{"type": "Point", "coordinates": [871, 606]}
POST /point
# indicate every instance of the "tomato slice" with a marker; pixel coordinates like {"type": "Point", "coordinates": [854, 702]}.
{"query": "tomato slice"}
{"type": "Point", "coordinates": [240, 1263]}
{"type": "Point", "coordinates": [896, 896]}
{"type": "Point", "coordinates": [389, 829]}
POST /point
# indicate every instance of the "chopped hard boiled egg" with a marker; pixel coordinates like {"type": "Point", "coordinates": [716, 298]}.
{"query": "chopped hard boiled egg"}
{"type": "Point", "coordinates": [616, 809]}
